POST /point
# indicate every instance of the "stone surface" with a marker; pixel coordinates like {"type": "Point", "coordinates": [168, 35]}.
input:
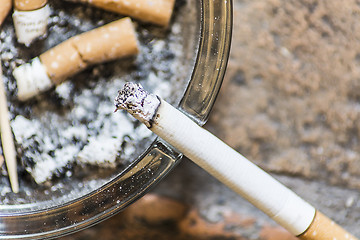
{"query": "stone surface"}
{"type": "Point", "coordinates": [154, 217]}
{"type": "Point", "coordinates": [290, 103]}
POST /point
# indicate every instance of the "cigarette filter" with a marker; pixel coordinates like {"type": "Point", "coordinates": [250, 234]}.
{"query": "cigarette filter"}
{"type": "Point", "coordinates": [30, 19]}
{"type": "Point", "coordinates": [112, 41]}
{"type": "Point", "coordinates": [7, 139]}
{"type": "Point", "coordinates": [5, 6]}
{"type": "Point", "coordinates": [228, 166]}
{"type": "Point", "coordinates": [29, 5]}
{"type": "Point", "coordinates": [153, 11]}
{"type": "Point", "coordinates": [323, 228]}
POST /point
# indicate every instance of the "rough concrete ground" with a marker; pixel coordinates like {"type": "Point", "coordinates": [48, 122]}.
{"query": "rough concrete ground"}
{"type": "Point", "coordinates": [290, 103]}
{"type": "Point", "coordinates": [292, 89]}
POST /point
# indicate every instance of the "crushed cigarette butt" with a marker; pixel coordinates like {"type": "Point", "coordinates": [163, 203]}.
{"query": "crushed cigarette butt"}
{"type": "Point", "coordinates": [7, 140]}
{"type": "Point", "coordinates": [109, 42]}
{"type": "Point", "coordinates": [30, 20]}
{"type": "Point", "coordinates": [154, 11]}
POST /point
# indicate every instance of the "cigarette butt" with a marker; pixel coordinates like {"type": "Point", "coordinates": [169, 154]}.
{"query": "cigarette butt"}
{"type": "Point", "coordinates": [153, 11]}
{"type": "Point", "coordinates": [30, 20]}
{"type": "Point", "coordinates": [112, 41]}
{"type": "Point", "coordinates": [62, 61]}
{"type": "Point", "coordinates": [29, 5]}
{"type": "Point", "coordinates": [7, 140]}
{"type": "Point", "coordinates": [5, 6]}
{"type": "Point", "coordinates": [31, 78]}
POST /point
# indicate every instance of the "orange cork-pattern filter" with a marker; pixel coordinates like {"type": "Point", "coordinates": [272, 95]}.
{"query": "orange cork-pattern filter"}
{"type": "Point", "coordinates": [62, 61]}
{"type": "Point", "coordinates": [323, 228]}
{"type": "Point", "coordinates": [30, 19]}
{"type": "Point", "coordinates": [153, 11]}
{"type": "Point", "coordinates": [109, 42]}
{"type": "Point", "coordinates": [5, 6]}
{"type": "Point", "coordinates": [112, 41]}
{"type": "Point", "coordinates": [28, 5]}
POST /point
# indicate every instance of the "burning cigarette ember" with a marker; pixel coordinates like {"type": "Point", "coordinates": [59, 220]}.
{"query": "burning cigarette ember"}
{"type": "Point", "coordinates": [30, 19]}
{"type": "Point", "coordinates": [153, 11]}
{"type": "Point", "coordinates": [138, 103]}
{"type": "Point", "coordinates": [112, 41]}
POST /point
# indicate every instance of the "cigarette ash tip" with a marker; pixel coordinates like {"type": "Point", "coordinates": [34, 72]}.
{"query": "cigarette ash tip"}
{"type": "Point", "coordinates": [138, 102]}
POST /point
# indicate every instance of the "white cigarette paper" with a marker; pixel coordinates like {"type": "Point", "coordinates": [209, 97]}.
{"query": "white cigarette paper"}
{"type": "Point", "coordinates": [221, 161]}
{"type": "Point", "coordinates": [30, 20]}
{"type": "Point", "coordinates": [111, 41]}
{"type": "Point", "coordinates": [32, 78]}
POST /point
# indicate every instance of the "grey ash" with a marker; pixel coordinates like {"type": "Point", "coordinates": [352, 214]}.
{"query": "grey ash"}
{"type": "Point", "coordinates": [138, 102]}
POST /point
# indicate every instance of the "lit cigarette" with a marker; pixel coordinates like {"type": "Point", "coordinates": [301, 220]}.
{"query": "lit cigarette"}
{"type": "Point", "coordinates": [7, 138]}
{"type": "Point", "coordinates": [153, 11]}
{"type": "Point", "coordinates": [5, 6]}
{"type": "Point", "coordinates": [230, 167]}
{"type": "Point", "coordinates": [30, 19]}
{"type": "Point", "coordinates": [112, 41]}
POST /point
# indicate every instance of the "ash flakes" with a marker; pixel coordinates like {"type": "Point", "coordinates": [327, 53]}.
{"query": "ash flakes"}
{"type": "Point", "coordinates": [74, 125]}
{"type": "Point", "coordinates": [88, 134]}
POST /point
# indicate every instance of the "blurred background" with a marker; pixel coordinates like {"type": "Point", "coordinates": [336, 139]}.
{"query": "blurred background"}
{"type": "Point", "coordinates": [289, 103]}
